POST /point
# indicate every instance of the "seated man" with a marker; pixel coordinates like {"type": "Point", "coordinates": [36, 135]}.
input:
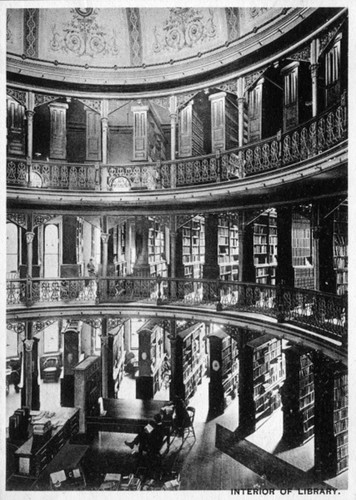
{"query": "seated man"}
{"type": "Point", "coordinates": [151, 437]}
{"type": "Point", "coordinates": [181, 418]}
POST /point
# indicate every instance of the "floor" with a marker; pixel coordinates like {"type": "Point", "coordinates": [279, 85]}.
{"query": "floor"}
{"type": "Point", "coordinates": [201, 465]}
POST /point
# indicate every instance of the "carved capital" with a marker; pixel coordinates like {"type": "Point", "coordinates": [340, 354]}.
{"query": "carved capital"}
{"type": "Point", "coordinates": [29, 114]}
{"type": "Point", "coordinates": [104, 340]}
{"type": "Point", "coordinates": [105, 238]}
{"type": "Point", "coordinates": [29, 237]}
{"type": "Point", "coordinates": [28, 345]}
{"type": "Point", "coordinates": [314, 69]}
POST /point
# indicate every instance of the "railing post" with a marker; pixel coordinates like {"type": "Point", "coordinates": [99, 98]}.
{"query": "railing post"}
{"type": "Point", "coordinates": [218, 165]}
{"type": "Point", "coordinates": [159, 300]}
{"type": "Point", "coordinates": [279, 141]}
{"type": "Point", "coordinates": [281, 311]}
{"type": "Point", "coordinates": [219, 304]}
{"type": "Point", "coordinates": [29, 164]}
{"type": "Point", "coordinates": [28, 299]}
{"type": "Point", "coordinates": [158, 175]}
{"type": "Point", "coordinates": [98, 289]}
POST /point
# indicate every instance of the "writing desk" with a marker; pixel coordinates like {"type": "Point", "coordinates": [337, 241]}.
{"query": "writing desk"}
{"type": "Point", "coordinates": [124, 415]}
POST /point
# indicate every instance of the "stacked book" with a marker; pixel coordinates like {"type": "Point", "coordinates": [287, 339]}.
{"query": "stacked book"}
{"type": "Point", "coordinates": [41, 427]}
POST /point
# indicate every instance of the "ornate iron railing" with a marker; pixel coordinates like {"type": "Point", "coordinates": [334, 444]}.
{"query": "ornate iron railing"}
{"type": "Point", "coordinates": [325, 313]}
{"type": "Point", "coordinates": [306, 141]}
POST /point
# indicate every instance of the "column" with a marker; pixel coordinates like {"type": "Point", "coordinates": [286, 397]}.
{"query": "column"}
{"type": "Point", "coordinates": [247, 418]}
{"type": "Point", "coordinates": [241, 108]}
{"type": "Point", "coordinates": [105, 239]}
{"type": "Point", "coordinates": [104, 131]}
{"type": "Point", "coordinates": [216, 390]}
{"type": "Point", "coordinates": [211, 266]}
{"type": "Point", "coordinates": [177, 383]}
{"type": "Point", "coordinates": [142, 267]}
{"type": "Point", "coordinates": [29, 115]}
{"type": "Point", "coordinates": [58, 139]}
{"type": "Point", "coordinates": [284, 271]}
{"type": "Point", "coordinates": [104, 341]}
{"type": "Point", "coordinates": [316, 233]}
{"type": "Point", "coordinates": [30, 389]}
{"type": "Point", "coordinates": [29, 242]}
{"type": "Point", "coordinates": [314, 55]}
{"type": "Point", "coordinates": [127, 335]}
{"type": "Point", "coordinates": [173, 246]}
{"type": "Point", "coordinates": [173, 116]}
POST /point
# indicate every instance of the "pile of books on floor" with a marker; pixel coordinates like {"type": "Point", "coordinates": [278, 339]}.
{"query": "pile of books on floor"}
{"type": "Point", "coordinates": [112, 482]}
{"type": "Point", "coordinates": [166, 481]}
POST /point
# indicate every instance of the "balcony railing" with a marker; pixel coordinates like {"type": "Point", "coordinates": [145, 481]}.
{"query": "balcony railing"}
{"type": "Point", "coordinates": [304, 142]}
{"type": "Point", "coordinates": [323, 312]}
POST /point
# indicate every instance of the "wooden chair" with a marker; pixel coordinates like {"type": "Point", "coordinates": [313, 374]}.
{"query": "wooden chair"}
{"type": "Point", "coordinates": [188, 429]}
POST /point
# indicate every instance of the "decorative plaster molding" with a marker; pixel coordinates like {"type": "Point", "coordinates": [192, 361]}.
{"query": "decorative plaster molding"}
{"type": "Point", "coordinates": [134, 27]}
{"type": "Point", "coordinates": [31, 32]}
{"type": "Point", "coordinates": [39, 219]}
{"type": "Point", "coordinates": [233, 23]}
{"type": "Point", "coordinates": [43, 99]}
{"type": "Point", "coordinates": [185, 27]}
{"type": "Point", "coordinates": [19, 219]}
{"type": "Point", "coordinates": [18, 95]}
{"type": "Point", "coordinates": [94, 104]}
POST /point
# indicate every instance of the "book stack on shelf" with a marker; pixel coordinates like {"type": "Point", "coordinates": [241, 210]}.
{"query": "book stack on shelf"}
{"type": "Point", "coordinates": [191, 358]}
{"type": "Point", "coordinates": [306, 396]}
{"type": "Point", "coordinates": [302, 252]}
{"type": "Point", "coordinates": [298, 396]}
{"type": "Point", "coordinates": [193, 247]}
{"type": "Point", "coordinates": [340, 249]}
{"type": "Point", "coordinates": [268, 374]}
{"type": "Point", "coordinates": [228, 249]}
{"type": "Point", "coordinates": [265, 248]}
{"type": "Point", "coordinates": [157, 251]}
{"type": "Point", "coordinates": [341, 420]}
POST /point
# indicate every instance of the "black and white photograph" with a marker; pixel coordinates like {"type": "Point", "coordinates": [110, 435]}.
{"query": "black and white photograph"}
{"type": "Point", "coordinates": [175, 205]}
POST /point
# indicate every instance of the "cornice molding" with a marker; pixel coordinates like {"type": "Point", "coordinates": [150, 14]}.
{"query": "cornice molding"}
{"type": "Point", "coordinates": [226, 62]}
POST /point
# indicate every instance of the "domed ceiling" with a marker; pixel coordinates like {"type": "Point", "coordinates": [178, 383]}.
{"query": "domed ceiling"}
{"type": "Point", "coordinates": [131, 37]}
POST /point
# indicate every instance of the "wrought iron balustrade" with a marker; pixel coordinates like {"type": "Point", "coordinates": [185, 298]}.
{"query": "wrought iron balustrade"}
{"type": "Point", "coordinates": [323, 312]}
{"type": "Point", "coordinates": [304, 142]}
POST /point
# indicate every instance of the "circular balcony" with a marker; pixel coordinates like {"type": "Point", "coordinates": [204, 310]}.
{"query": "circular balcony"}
{"type": "Point", "coordinates": [307, 162]}
{"type": "Point", "coordinates": [314, 319]}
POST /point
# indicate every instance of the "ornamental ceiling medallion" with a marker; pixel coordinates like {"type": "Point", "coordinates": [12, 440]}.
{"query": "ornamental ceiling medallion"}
{"type": "Point", "coordinates": [185, 27]}
{"type": "Point", "coordinates": [83, 36]}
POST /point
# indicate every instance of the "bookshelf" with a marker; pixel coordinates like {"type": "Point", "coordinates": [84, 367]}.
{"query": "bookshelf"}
{"type": "Point", "coordinates": [340, 419]}
{"type": "Point", "coordinates": [265, 247]}
{"type": "Point", "coordinates": [190, 132]}
{"type": "Point", "coordinates": [302, 252]}
{"type": "Point", "coordinates": [224, 370]}
{"type": "Point", "coordinates": [193, 247]}
{"type": "Point", "coordinates": [298, 396]}
{"type": "Point", "coordinates": [224, 122]}
{"type": "Point", "coordinates": [340, 249]}
{"type": "Point", "coordinates": [228, 249]}
{"type": "Point", "coordinates": [191, 359]}
{"type": "Point", "coordinates": [268, 374]}
{"type": "Point", "coordinates": [157, 250]}
{"type": "Point", "coordinates": [38, 451]}
{"type": "Point", "coordinates": [87, 387]}
{"type": "Point", "coordinates": [151, 357]}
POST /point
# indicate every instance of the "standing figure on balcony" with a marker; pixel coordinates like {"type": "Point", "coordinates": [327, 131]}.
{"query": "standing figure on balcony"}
{"type": "Point", "coordinates": [91, 268]}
